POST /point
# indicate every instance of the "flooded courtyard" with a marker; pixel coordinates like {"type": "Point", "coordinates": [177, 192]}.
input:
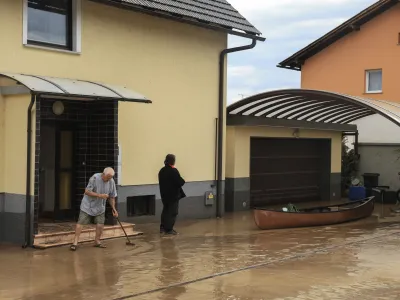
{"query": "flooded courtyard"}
{"type": "Point", "coordinates": [227, 258]}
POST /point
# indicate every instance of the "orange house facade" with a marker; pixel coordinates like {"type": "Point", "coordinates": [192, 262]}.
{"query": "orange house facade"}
{"type": "Point", "coordinates": [360, 58]}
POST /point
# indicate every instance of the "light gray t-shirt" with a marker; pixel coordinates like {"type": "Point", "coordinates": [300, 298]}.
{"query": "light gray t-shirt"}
{"type": "Point", "coordinates": [94, 206]}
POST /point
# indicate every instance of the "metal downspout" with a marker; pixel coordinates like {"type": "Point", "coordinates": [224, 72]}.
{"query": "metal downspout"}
{"type": "Point", "coordinates": [28, 205]}
{"type": "Point", "coordinates": [221, 121]}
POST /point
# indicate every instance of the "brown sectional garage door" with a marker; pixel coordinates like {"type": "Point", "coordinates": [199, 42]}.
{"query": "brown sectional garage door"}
{"type": "Point", "coordinates": [288, 170]}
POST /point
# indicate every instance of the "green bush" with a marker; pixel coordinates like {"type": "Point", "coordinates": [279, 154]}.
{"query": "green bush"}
{"type": "Point", "coordinates": [349, 165]}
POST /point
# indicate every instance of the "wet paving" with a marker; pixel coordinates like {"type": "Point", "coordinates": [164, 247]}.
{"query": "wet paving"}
{"type": "Point", "coordinates": [227, 259]}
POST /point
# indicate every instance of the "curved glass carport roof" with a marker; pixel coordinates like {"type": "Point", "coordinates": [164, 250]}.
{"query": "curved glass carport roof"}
{"type": "Point", "coordinates": [308, 109]}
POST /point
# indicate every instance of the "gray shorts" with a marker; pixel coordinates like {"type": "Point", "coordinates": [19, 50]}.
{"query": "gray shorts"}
{"type": "Point", "coordinates": [85, 219]}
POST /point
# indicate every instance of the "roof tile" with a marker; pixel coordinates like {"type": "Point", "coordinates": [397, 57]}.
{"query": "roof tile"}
{"type": "Point", "coordinates": [215, 12]}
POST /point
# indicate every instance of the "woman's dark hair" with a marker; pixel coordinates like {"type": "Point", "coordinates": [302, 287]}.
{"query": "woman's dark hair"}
{"type": "Point", "coordinates": [170, 160]}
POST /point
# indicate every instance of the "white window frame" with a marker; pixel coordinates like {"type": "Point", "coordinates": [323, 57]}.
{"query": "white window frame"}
{"type": "Point", "coordinates": [76, 28]}
{"type": "Point", "coordinates": [367, 72]}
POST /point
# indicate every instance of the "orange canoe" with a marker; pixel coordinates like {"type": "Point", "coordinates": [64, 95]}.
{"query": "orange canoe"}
{"type": "Point", "coordinates": [316, 216]}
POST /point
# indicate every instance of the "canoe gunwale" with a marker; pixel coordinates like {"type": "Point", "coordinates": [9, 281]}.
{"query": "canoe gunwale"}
{"type": "Point", "coordinates": [363, 202]}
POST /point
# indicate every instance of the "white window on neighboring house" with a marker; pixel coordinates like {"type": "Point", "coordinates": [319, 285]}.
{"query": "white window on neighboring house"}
{"type": "Point", "coordinates": [373, 81]}
{"type": "Point", "coordinates": [53, 24]}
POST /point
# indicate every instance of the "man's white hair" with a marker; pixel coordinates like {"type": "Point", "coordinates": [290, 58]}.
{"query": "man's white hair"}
{"type": "Point", "coordinates": [109, 171]}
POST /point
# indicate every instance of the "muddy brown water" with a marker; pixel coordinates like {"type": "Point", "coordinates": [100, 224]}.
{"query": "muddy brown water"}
{"type": "Point", "coordinates": [227, 258]}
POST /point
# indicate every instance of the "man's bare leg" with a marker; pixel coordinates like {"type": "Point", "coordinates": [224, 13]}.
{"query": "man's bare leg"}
{"type": "Point", "coordinates": [78, 230]}
{"type": "Point", "coordinates": [99, 232]}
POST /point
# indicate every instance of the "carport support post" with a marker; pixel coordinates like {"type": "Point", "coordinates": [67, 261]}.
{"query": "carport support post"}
{"type": "Point", "coordinates": [221, 120]}
{"type": "Point", "coordinates": [356, 143]}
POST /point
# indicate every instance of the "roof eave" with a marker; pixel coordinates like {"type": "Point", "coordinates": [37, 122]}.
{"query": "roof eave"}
{"type": "Point", "coordinates": [182, 19]}
{"type": "Point", "coordinates": [292, 67]}
{"type": "Point", "coordinates": [87, 98]}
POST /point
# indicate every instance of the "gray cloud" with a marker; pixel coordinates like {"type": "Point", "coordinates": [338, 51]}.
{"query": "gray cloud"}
{"type": "Point", "coordinates": [288, 25]}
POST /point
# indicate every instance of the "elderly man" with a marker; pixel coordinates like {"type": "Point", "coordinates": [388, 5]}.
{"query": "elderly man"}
{"type": "Point", "coordinates": [93, 207]}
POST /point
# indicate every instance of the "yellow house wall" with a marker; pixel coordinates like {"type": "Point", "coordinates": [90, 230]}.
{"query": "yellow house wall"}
{"type": "Point", "coordinates": [238, 146]}
{"type": "Point", "coordinates": [174, 65]}
{"type": "Point", "coordinates": [14, 143]}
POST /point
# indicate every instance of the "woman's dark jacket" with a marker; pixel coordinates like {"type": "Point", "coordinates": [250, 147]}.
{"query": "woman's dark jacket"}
{"type": "Point", "coordinates": [171, 183]}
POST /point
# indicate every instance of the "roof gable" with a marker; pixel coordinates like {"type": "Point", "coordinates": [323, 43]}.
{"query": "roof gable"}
{"type": "Point", "coordinates": [295, 61]}
{"type": "Point", "coordinates": [218, 14]}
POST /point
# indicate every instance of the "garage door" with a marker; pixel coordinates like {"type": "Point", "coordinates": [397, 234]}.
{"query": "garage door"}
{"type": "Point", "coordinates": [288, 170]}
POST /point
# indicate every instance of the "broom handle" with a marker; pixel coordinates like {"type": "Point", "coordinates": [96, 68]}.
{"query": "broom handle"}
{"type": "Point", "coordinates": [123, 229]}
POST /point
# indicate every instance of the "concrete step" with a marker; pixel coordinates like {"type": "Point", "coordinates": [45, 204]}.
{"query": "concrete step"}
{"type": "Point", "coordinates": [56, 239]}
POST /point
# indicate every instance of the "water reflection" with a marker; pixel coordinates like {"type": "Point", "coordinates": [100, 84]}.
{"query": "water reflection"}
{"type": "Point", "coordinates": [170, 269]}
{"type": "Point", "coordinates": [71, 276]}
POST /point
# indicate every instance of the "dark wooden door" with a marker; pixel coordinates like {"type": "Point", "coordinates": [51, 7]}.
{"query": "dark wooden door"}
{"type": "Point", "coordinates": [65, 179]}
{"type": "Point", "coordinates": [288, 170]}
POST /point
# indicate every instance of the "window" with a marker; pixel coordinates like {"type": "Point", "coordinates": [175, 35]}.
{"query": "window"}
{"type": "Point", "coordinates": [141, 206]}
{"type": "Point", "coordinates": [374, 81]}
{"type": "Point", "coordinates": [52, 24]}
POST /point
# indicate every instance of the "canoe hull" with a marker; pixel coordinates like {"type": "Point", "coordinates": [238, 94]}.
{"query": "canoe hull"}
{"type": "Point", "coordinates": [269, 219]}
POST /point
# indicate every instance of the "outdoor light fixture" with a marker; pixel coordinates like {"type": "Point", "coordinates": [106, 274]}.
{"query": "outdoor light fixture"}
{"type": "Point", "coordinates": [58, 108]}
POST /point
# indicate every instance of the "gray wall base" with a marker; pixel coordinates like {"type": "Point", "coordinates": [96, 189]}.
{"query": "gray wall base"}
{"type": "Point", "coordinates": [14, 203]}
{"type": "Point", "coordinates": [237, 194]}
{"type": "Point", "coordinates": [12, 228]}
{"type": "Point", "coordinates": [335, 186]}
{"type": "Point", "coordinates": [191, 207]}
{"type": "Point", "coordinates": [12, 218]}
{"type": "Point", "coordinates": [12, 208]}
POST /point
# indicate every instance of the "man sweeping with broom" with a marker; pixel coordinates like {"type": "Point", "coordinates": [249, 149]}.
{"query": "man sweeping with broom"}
{"type": "Point", "coordinates": [93, 207]}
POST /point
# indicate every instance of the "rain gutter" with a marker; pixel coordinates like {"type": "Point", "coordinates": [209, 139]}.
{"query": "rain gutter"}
{"type": "Point", "coordinates": [221, 120]}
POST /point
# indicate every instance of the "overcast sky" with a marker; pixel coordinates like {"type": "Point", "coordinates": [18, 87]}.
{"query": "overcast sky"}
{"type": "Point", "coordinates": [288, 25]}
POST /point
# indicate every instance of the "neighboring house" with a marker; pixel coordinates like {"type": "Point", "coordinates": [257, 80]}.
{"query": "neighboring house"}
{"type": "Point", "coordinates": [69, 71]}
{"type": "Point", "coordinates": [360, 58]}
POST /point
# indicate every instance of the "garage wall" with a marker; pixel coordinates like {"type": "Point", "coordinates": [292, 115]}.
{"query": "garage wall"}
{"type": "Point", "coordinates": [238, 160]}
